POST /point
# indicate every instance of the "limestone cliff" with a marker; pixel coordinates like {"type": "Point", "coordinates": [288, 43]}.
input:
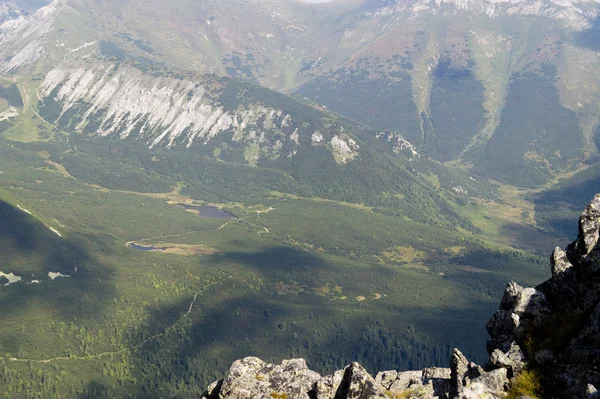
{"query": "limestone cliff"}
{"type": "Point", "coordinates": [552, 330]}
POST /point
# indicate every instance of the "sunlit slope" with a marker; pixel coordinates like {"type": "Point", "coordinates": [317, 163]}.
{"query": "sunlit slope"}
{"type": "Point", "coordinates": [238, 140]}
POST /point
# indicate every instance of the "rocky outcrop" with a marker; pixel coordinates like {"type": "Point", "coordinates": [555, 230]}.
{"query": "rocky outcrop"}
{"type": "Point", "coordinates": [553, 328]}
{"type": "Point", "coordinates": [556, 326]}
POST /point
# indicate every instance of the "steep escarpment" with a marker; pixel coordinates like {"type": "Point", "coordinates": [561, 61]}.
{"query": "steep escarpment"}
{"type": "Point", "coordinates": [168, 109]}
{"type": "Point", "coordinates": [545, 341]}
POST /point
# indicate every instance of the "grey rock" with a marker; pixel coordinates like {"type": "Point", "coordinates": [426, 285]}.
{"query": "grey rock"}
{"type": "Point", "coordinates": [358, 384]}
{"type": "Point", "coordinates": [559, 262]}
{"type": "Point", "coordinates": [461, 373]}
{"type": "Point", "coordinates": [438, 379]}
{"type": "Point", "coordinates": [519, 309]}
{"type": "Point", "coordinates": [327, 387]}
{"type": "Point", "coordinates": [589, 226]}
{"type": "Point", "coordinates": [544, 356]}
{"type": "Point", "coordinates": [251, 377]}
{"type": "Point", "coordinates": [212, 391]}
{"type": "Point", "coordinates": [523, 301]}
{"type": "Point", "coordinates": [499, 359]}
{"type": "Point", "coordinates": [401, 381]}
{"type": "Point", "coordinates": [386, 378]}
{"type": "Point", "coordinates": [515, 353]}
{"type": "Point", "coordinates": [434, 373]}
{"type": "Point", "coordinates": [492, 385]}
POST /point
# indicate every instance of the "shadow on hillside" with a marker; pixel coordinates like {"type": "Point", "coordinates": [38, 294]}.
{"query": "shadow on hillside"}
{"type": "Point", "coordinates": [232, 320]}
{"type": "Point", "coordinates": [589, 38]}
{"type": "Point", "coordinates": [529, 238]}
{"type": "Point", "coordinates": [31, 251]}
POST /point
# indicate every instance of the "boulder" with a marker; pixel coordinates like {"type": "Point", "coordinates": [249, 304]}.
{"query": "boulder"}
{"type": "Point", "coordinates": [492, 385]}
{"type": "Point", "coordinates": [327, 387]}
{"type": "Point", "coordinates": [559, 262]}
{"type": "Point", "coordinates": [251, 377]}
{"type": "Point", "coordinates": [581, 252]}
{"type": "Point", "coordinates": [358, 384]}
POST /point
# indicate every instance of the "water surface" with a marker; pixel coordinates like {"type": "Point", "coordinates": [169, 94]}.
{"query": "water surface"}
{"type": "Point", "coordinates": [205, 211]}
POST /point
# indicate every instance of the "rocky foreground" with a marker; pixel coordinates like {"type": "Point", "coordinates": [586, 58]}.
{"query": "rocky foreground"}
{"type": "Point", "coordinates": [552, 330]}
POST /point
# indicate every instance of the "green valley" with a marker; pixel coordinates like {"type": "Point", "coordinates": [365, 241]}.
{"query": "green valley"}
{"type": "Point", "coordinates": [184, 184]}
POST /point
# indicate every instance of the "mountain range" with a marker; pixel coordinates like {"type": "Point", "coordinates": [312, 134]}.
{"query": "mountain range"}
{"type": "Point", "coordinates": [345, 180]}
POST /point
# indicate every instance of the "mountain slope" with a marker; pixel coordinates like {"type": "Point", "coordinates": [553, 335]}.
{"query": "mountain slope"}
{"type": "Point", "coordinates": [408, 67]}
{"type": "Point", "coordinates": [184, 118]}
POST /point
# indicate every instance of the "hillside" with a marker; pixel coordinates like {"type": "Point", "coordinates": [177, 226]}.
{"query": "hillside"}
{"type": "Point", "coordinates": [522, 75]}
{"type": "Point", "coordinates": [544, 343]}
{"type": "Point", "coordinates": [177, 164]}
{"type": "Point", "coordinates": [238, 127]}
{"type": "Point", "coordinates": [167, 271]}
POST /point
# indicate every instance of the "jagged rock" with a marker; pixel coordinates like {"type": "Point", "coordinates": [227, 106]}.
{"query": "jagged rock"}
{"type": "Point", "coordinates": [459, 365]}
{"type": "Point", "coordinates": [503, 328]}
{"type": "Point", "coordinates": [394, 381]}
{"type": "Point", "coordinates": [499, 359]}
{"type": "Point", "coordinates": [251, 377]}
{"type": "Point", "coordinates": [524, 301]}
{"type": "Point", "coordinates": [439, 380]}
{"type": "Point", "coordinates": [581, 252]}
{"type": "Point", "coordinates": [358, 384]}
{"type": "Point", "coordinates": [386, 378]}
{"type": "Point", "coordinates": [513, 360]}
{"type": "Point", "coordinates": [559, 262]}
{"type": "Point", "coordinates": [515, 353]}
{"type": "Point", "coordinates": [519, 309]}
{"type": "Point", "coordinates": [436, 373]}
{"type": "Point", "coordinates": [492, 385]}
{"type": "Point", "coordinates": [213, 390]}
{"type": "Point", "coordinates": [544, 356]}
{"type": "Point", "coordinates": [461, 373]}
{"type": "Point", "coordinates": [428, 383]}
{"type": "Point", "coordinates": [327, 386]}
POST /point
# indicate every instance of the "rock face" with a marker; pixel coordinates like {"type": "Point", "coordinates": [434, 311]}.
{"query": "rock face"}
{"type": "Point", "coordinates": [553, 328]}
{"type": "Point", "coordinates": [180, 110]}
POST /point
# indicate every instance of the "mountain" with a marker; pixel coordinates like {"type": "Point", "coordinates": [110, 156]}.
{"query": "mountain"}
{"type": "Point", "coordinates": [522, 75]}
{"type": "Point", "coordinates": [530, 355]}
{"type": "Point", "coordinates": [209, 208]}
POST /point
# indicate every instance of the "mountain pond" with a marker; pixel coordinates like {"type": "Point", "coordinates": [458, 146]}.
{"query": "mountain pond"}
{"type": "Point", "coordinates": [206, 211]}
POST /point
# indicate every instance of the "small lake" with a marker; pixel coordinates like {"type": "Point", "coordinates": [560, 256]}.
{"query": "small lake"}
{"type": "Point", "coordinates": [143, 248]}
{"type": "Point", "coordinates": [205, 211]}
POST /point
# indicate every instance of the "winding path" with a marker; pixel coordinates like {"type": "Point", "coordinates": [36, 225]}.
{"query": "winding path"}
{"type": "Point", "coordinates": [155, 336]}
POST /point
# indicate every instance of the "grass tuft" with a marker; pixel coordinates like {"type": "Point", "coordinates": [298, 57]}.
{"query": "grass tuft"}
{"type": "Point", "coordinates": [528, 383]}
